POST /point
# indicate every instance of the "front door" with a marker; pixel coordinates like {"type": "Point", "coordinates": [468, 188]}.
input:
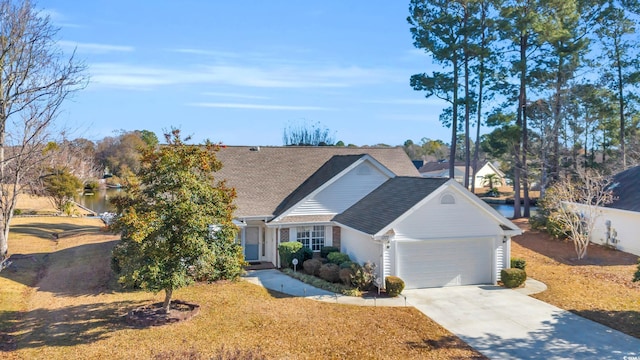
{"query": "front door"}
{"type": "Point", "coordinates": [251, 243]}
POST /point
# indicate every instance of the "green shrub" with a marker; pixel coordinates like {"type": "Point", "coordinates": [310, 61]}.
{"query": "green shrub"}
{"type": "Point", "coordinates": [312, 266]}
{"type": "Point", "coordinates": [512, 278]}
{"type": "Point", "coordinates": [287, 252]}
{"type": "Point", "coordinates": [321, 284]}
{"type": "Point", "coordinates": [338, 258]}
{"type": "Point", "coordinates": [349, 265]}
{"type": "Point", "coordinates": [17, 212]}
{"type": "Point", "coordinates": [330, 272]}
{"type": "Point", "coordinates": [394, 285]}
{"type": "Point", "coordinates": [326, 250]}
{"type": "Point", "coordinates": [518, 263]}
{"type": "Point", "coordinates": [304, 255]}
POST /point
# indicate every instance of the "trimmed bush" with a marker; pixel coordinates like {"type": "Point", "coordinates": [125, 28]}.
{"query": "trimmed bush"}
{"type": "Point", "coordinates": [512, 278]}
{"type": "Point", "coordinates": [330, 272]}
{"type": "Point", "coordinates": [312, 266]}
{"type": "Point", "coordinates": [394, 285]}
{"type": "Point", "coordinates": [518, 263]}
{"type": "Point", "coordinates": [303, 255]}
{"type": "Point", "coordinates": [346, 275]}
{"type": "Point", "coordinates": [338, 258]}
{"type": "Point", "coordinates": [326, 250]}
{"type": "Point", "coordinates": [287, 252]}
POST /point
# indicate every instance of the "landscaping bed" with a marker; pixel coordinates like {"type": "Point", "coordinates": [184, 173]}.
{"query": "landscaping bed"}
{"type": "Point", "coordinates": [599, 287]}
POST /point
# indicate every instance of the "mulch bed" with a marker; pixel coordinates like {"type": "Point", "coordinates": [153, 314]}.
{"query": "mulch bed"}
{"type": "Point", "coordinates": [564, 252]}
{"type": "Point", "coordinates": [154, 315]}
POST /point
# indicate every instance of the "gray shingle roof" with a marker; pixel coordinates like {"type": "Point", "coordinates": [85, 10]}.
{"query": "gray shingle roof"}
{"type": "Point", "coordinates": [264, 179]}
{"type": "Point", "coordinates": [626, 190]}
{"type": "Point", "coordinates": [388, 202]}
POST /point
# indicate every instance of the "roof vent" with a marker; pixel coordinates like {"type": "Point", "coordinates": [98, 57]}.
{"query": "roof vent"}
{"type": "Point", "coordinates": [254, 148]}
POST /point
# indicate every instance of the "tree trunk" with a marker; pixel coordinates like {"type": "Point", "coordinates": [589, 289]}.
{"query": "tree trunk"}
{"type": "Point", "coordinates": [166, 306]}
{"type": "Point", "coordinates": [454, 121]}
{"type": "Point", "coordinates": [621, 106]}
{"type": "Point", "coordinates": [467, 106]}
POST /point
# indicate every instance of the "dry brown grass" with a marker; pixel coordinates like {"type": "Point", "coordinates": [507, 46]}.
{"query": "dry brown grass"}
{"type": "Point", "coordinates": [598, 287]}
{"type": "Point", "coordinates": [64, 306]}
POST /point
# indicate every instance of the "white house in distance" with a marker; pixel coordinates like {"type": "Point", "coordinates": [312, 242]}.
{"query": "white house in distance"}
{"type": "Point", "coordinates": [440, 169]}
{"type": "Point", "coordinates": [372, 204]}
{"type": "Point", "coordinates": [618, 223]}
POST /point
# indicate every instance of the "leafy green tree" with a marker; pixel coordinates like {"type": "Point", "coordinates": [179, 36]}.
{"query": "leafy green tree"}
{"type": "Point", "coordinates": [176, 222]}
{"type": "Point", "coordinates": [620, 66]}
{"type": "Point", "coordinates": [122, 152]}
{"type": "Point", "coordinates": [61, 186]}
{"type": "Point", "coordinates": [436, 27]}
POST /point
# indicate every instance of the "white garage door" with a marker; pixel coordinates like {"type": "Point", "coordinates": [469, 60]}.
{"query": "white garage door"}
{"type": "Point", "coordinates": [432, 263]}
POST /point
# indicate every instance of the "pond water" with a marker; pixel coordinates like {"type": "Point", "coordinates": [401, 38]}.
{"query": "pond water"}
{"type": "Point", "coordinates": [507, 209]}
{"type": "Point", "coordinates": [99, 200]}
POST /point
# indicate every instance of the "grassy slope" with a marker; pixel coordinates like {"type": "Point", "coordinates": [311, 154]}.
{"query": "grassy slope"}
{"type": "Point", "coordinates": [61, 304]}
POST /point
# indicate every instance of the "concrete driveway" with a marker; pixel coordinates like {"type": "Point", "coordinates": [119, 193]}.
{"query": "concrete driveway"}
{"type": "Point", "coordinates": [505, 324]}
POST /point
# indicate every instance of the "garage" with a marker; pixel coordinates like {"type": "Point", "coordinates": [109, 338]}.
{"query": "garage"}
{"type": "Point", "coordinates": [435, 263]}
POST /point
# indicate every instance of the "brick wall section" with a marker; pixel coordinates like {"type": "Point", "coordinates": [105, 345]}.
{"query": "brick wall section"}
{"type": "Point", "coordinates": [336, 236]}
{"type": "Point", "coordinates": [284, 235]}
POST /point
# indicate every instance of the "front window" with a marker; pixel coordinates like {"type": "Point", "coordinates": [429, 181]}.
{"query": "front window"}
{"type": "Point", "coordinates": [311, 237]}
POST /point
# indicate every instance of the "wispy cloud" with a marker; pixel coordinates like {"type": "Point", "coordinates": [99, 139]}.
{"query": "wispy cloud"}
{"type": "Point", "coordinates": [226, 54]}
{"type": "Point", "coordinates": [285, 76]}
{"type": "Point", "coordinates": [419, 102]}
{"type": "Point", "coordinates": [94, 48]}
{"type": "Point", "coordinates": [235, 95]}
{"type": "Point", "coordinates": [260, 106]}
{"type": "Point", "coordinates": [58, 18]}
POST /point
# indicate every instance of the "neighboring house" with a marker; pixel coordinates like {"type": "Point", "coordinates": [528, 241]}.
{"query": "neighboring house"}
{"type": "Point", "coordinates": [618, 223]}
{"type": "Point", "coordinates": [373, 205]}
{"type": "Point", "coordinates": [440, 169]}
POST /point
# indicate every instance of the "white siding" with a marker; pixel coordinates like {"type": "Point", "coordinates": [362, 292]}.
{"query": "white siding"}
{"type": "Point", "coordinates": [436, 220]}
{"type": "Point", "coordinates": [625, 223]}
{"type": "Point", "coordinates": [361, 248]}
{"type": "Point", "coordinates": [500, 259]}
{"type": "Point", "coordinates": [344, 192]}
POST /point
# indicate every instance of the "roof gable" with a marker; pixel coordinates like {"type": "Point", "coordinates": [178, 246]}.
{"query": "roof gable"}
{"type": "Point", "coordinates": [399, 197]}
{"type": "Point", "coordinates": [327, 174]}
{"type": "Point", "coordinates": [626, 190]}
{"type": "Point", "coordinates": [264, 177]}
{"type": "Point", "coordinates": [387, 203]}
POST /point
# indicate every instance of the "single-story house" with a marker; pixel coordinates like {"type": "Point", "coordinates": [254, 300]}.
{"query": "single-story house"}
{"type": "Point", "coordinates": [373, 205]}
{"type": "Point", "coordinates": [618, 223]}
{"type": "Point", "coordinates": [440, 169]}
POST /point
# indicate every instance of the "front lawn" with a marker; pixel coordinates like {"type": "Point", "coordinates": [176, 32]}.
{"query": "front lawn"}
{"type": "Point", "coordinates": [598, 287]}
{"type": "Point", "coordinates": [59, 302]}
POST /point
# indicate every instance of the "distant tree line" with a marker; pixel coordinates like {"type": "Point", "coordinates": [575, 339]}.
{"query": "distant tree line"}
{"type": "Point", "coordinates": [557, 81]}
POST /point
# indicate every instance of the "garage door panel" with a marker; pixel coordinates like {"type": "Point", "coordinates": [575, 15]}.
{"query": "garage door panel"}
{"type": "Point", "coordinates": [431, 263]}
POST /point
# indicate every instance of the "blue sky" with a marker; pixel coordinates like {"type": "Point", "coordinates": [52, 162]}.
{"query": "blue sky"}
{"type": "Point", "coordinates": [238, 72]}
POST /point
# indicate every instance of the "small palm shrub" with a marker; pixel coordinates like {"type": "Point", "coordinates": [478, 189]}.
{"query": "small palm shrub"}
{"type": "Point", "coordinates": [364, 275]}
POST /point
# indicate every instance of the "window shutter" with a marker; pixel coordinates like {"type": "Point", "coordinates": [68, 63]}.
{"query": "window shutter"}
{"type": "Point", "coordinates": [328, 236]}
